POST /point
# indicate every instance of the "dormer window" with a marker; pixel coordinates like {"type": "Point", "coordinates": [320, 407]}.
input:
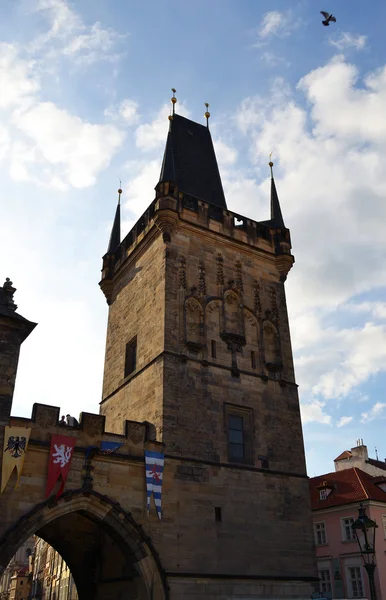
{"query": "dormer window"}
{"type": "Point", "coordinates": [324, 490]}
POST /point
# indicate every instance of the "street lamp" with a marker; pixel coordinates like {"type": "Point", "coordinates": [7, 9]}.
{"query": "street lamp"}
{"type": "Point", "coordinates": [364, 529]}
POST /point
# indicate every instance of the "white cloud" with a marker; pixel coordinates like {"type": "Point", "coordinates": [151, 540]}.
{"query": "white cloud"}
{"type": "Point", "coordinates": [73, 150]}
{"type": "Point", "coordinates": [17, 80]}
{"type": "Point", "coordinates": [329, 175]}
{"type": "Point", "coordinates": [344, 421]}
{"type": "Point", "coordinates": [273, 22]}
{"type": "Point", "coordinates": [126, 111]}
{"type": "Point", "coordinates": [276, 23]}
{"type": "Point", "coordinates": [349, 40]}
{"type": "Point", "coordinates": [70, 37]}
{"type": "Point", "coordinates": [150, 136]}
{"type": "Point", "coordinates": [313, 411]}
{"type": "Point", "coordinates": [226, 155]}
{"type": "Point", "coordinates": [374, 413]}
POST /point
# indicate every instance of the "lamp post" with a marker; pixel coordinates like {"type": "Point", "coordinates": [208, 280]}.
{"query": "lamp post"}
{"type": "Point", "coordinates": [364, 530]}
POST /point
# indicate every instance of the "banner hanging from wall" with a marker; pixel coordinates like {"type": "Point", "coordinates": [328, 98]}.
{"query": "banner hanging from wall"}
{"type": "Point", "coordinates": [14, 450]}
{"type": "Point", "coordinates": [61, 451]}
{"type": "Point", "coordinates": [154, 462]}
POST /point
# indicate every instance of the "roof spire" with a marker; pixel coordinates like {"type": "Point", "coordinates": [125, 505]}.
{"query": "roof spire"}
{"type": "Point", "coordinates": [207, 114]}
{"type": "Point", "coordinates": [115, 237]}
{"type": "Point", "coordinates": [276, 216]}
{"type": "Point", "coordinates": [173, 100]}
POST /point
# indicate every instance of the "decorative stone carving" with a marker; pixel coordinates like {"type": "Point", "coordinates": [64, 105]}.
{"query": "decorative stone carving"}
{"type": "Point", "coordinates": [8, 293]}
{"type": "Point", "coordinates": [201, 279]}
{"type": "Point", "coordinates": [182, 274]}
{"type": "Point", "coordinates": [257, 301]}
{"type": "Point", "coordinates": [220, 270]}
{"type": "Point", "coordinates": [274, 307]}
{"type": "Point", "coordinates": [239, 277]}
{"type": "Point", "coordinates": [135, 432]}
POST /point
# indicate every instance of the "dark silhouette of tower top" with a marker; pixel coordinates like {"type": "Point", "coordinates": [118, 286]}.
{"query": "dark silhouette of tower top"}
{"type": "Point", "coordinates": [190, 161]}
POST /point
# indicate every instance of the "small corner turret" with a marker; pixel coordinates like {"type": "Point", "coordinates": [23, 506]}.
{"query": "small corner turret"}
{"type": "Point", "coordinates": [109, 258]}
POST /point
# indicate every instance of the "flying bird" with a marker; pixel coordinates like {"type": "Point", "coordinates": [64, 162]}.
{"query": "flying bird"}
{"type": "Point", "coordinates": [328, 18]}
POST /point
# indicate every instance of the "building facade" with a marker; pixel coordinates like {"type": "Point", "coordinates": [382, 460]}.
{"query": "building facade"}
{"type": "Point", "coordinates": [20, 561]}
{"type": "Point", "coordinates": [51, 578]}
{"type": "Point", "coordinates": [335, 499]}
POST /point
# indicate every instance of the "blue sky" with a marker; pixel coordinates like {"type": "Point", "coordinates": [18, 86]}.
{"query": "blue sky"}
{"type": "Point", "coordinates": [84, 100]}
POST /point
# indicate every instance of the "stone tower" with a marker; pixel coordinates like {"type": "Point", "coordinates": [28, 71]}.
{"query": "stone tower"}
{"type": "Point", "coordinates": [14, 329]}
{"type": "Point", "coordinates": [198, 346]}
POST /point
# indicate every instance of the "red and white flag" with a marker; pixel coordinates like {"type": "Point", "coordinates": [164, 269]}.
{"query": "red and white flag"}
{"type": "Point", "coordinates": [61, 451]}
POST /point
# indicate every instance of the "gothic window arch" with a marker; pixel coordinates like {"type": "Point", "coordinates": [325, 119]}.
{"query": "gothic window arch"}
{"type": "Point", "coordinates": [271, 346]}
{"type": "Point", "coordinates": [194, 324]}
{"type": "Point", "coordinates": [233, 313]}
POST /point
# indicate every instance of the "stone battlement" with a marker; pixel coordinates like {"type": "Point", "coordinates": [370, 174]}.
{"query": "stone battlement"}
{"type": "Point", "coordinates": [45, 421]}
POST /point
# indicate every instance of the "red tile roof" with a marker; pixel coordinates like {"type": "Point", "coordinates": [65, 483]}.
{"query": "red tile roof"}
{"type": "Point", "coordinates": [349, 485]}
{"type": "Point", "coordinates": [345, 454]}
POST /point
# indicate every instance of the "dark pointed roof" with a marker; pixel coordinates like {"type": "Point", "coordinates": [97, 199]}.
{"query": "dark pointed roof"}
{"type": "Point", "coordinates": [276, 216]}
{"type": "Point", "coordinates": [115, 237]}
{"type": "Point", "coordinates": [190, 161]}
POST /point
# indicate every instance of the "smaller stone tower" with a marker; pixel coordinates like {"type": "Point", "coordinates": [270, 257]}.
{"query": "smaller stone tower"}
{"type": "Point", "coordinates": [14, 329]}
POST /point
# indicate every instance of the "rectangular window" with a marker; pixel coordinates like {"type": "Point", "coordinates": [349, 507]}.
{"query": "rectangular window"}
{"type": "Point", "coordinates": [384, 525]}
{"type": "Point", "coordinates": [236, 438]}
{"type": "Point", "coordinates": [239, 428]}
{"type": "Point", "coordinates": [213, 348]}
{"type": "Point", "coordinates": [325, 580]}
{"type": "Point", "coordinates": [347, 532]}
{"type": "Point", "coordinates": [253, 359]}
{"type": "Point", "coordinates": [217, 514]}
{"type": "Point", "coordinates": [131, 357]}
{"type": "Point", "coordinates": [323, 494]}
{"type": "Point", "coordinates": [355, 581]}
{"type": "Point", "coordinates": [320, 534]}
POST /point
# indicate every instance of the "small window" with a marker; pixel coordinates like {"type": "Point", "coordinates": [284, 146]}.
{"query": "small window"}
{"type": "Point", "coordinates": [325, 580]}
{"type": "Point", "coordinates": [217, 514]}
{"type": "Point", "coordinates": [236, 438]}
{"type": "Point", "coordinates": [384, 525]}
{"type": "Point", "coordinates": [323, 494]}
{"type": "Point", "coordinates": [131, 357]}
{"type": "Point", "coordinates": [320, 534]}
{"type": "Point", "coordinates": [239, 429]}
{"type": "Point", "coordinates": [347, 532]}
{"type": "Point", "coordinates": [355, 582]}
{"type": "Point", "coordinates": [213, 348]}
{"type": "Point", "coordinates": [253, 359]}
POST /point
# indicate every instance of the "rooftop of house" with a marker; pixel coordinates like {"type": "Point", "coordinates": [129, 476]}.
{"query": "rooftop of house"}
{"type": "Point", "coordinates": [345, 487]}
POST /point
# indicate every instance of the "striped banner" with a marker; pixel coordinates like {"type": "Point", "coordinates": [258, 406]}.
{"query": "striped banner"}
{"type": "Point", "coordinates": [154, 462]}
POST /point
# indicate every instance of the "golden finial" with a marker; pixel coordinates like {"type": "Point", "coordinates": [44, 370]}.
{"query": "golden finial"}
{"type": "Point", "coordinates": [271, 164]}
{"type": "Point", "coordinates": [173, 100]}
{"type": "Point", "coordinates": [207, 114]}
{"type": "Point", "coordinates": [119, 191]}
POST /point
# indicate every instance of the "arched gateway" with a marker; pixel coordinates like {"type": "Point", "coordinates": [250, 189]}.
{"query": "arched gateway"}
{"type": "Point", "coordinates": [107, 551]}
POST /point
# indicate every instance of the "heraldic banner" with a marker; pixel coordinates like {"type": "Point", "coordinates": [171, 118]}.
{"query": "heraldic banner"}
{"type": "Point", "coordinates": [61, 451]}
{"type": "Point", "coordinates": [154, 462]}
{"type": "Point", "coordinates": [14, 451]}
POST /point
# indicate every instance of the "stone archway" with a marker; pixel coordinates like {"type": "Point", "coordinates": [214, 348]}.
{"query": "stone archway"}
{"type": "Point", "coordinates": [108, 553]}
